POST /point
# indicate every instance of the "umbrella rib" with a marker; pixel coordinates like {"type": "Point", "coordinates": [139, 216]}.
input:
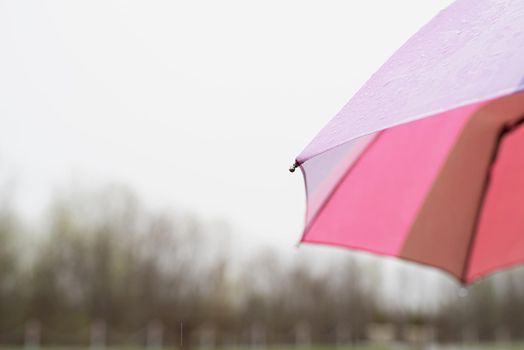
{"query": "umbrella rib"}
{"type": "Point", "coordinates": [505, 129]}
{"type": "Point", "coordinates": [336, 187]}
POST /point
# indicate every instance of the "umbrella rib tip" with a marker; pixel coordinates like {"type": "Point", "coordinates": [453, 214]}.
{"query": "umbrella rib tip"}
{"type": "Point", "coordinates": [293, 167]}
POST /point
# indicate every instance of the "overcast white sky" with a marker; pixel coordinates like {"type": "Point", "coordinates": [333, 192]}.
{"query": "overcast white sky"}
{"type": "Point", "coordinates": [198, 105]}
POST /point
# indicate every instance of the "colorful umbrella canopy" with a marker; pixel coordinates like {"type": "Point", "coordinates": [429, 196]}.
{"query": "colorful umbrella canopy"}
{"type": "Point", "coordinates": [426, 161]}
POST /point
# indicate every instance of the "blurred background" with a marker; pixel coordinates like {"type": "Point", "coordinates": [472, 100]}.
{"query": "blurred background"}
{"type": "Point", "coordinates": [144, 193]}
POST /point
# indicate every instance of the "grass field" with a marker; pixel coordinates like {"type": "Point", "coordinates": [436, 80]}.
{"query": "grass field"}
{"type": "Point", "coordinates": [364, 347]}
{"type": "Point", "coordinates": [367, 347]}
{"type": "Point", "coordinates": [238, 348]}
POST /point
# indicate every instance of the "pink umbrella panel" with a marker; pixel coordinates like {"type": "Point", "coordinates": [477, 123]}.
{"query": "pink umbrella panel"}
{"type": "Point", "coordinates": [426, 161]}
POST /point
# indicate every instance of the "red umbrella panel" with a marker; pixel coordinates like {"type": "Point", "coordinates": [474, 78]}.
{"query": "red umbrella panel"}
{"type": "Point", "coordinates": [426, 161]}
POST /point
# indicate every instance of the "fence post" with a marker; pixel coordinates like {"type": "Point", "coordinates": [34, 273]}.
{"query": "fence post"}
{"type": "Point", "coordinates": [303, 334]}
{"type": "Point", "coordinates": [32, 335]}
{"type": "Point", "coordinates": [343, 335]}
{"type": "Point", "coordinates": [155, 333]}
{"type": "Point", "coordinates": [207, 337]}
{"type": "Point", "coordinates": [258, 336]}
{"type": "Point", "coordinates": [98, 335]}
{"type": "Point", "coordinates": [502, 336]}
{"type": "Point", "coordinates": [469, 336]}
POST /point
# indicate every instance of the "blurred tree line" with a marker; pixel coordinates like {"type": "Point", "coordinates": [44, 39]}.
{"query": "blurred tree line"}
{"type": "Point", "coordinates": [101, 262]}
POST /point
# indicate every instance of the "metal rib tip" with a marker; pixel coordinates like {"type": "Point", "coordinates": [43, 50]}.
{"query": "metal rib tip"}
{"type": "Point", "coordinates": [293, 167]}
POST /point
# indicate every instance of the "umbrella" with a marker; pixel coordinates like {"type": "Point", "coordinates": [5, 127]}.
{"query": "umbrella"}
{"type": "Point", "coordinates": [426, 161]}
